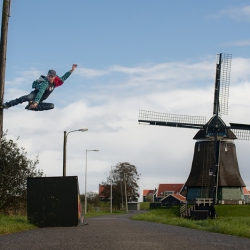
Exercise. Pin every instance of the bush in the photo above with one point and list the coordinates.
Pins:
(15, 167)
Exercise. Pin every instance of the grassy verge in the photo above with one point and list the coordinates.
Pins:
(18, 223)
(12, 224)
(231, 219)
(144, 205)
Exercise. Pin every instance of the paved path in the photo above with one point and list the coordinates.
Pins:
(120, 232)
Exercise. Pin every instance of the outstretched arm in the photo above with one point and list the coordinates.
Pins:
(74, 66)
(67, 74)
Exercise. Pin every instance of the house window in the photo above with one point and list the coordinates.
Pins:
(166, 193)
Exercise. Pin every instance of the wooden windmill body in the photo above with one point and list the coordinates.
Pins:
(228, 182)
(215, 172)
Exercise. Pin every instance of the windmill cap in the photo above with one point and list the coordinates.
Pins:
(51, 72)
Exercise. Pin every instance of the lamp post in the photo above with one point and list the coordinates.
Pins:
(111, 195)
(125, 189)
(65, 147)
(85, 205)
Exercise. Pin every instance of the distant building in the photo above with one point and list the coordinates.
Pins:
(147, 192)
(102, 196)
(173, 199)
(246, 194)
(167, 189)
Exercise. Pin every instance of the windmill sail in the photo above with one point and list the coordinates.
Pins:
(222, 81)
(242, 131)
(172, 120)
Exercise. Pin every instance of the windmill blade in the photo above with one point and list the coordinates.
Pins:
(241, 134)
(222, 81)
(172, 120)
(242, 131)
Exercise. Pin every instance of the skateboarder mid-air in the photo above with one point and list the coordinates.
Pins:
(44, 86)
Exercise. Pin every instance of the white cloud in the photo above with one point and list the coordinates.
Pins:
(237, 43)
(110, 112)
(27, 77)
(89, 73)
(239, 14)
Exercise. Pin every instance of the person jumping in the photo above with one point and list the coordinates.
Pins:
(44, 86)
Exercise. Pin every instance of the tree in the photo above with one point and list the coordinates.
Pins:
(92, 198)
(149, 198)
(15, 167)
(124, 175)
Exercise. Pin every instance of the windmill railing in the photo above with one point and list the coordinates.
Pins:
(183, 210)
(186, 211)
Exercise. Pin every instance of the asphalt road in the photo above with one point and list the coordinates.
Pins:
(120, 232)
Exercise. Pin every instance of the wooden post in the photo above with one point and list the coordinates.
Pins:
(3, 49)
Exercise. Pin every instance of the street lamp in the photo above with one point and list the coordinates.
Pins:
(111, 198)
(65, 146)
(85, 205)
(125, 189)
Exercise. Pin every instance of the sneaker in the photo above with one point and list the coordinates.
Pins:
(28, 106)
(5, 106)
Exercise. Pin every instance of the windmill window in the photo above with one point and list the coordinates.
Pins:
(211, 171)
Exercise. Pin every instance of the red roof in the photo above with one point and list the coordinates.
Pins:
(175, 188)
(179, 197)
(176, 196)
(245, 191)
(146, 192)
(101, 188)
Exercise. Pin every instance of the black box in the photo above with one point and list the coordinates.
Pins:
(54, 201)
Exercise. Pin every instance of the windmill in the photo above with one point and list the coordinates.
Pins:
(215, 172)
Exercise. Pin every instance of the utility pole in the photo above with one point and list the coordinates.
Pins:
(3, 49)
(111, 195)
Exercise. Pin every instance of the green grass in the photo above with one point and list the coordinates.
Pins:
(231, 219)
(233, 210)
(144, 205)
(12, 224)
(17, 223)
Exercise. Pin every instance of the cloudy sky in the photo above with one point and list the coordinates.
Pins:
(132, 55)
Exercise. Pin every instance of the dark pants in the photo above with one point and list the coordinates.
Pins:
(30, 97)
